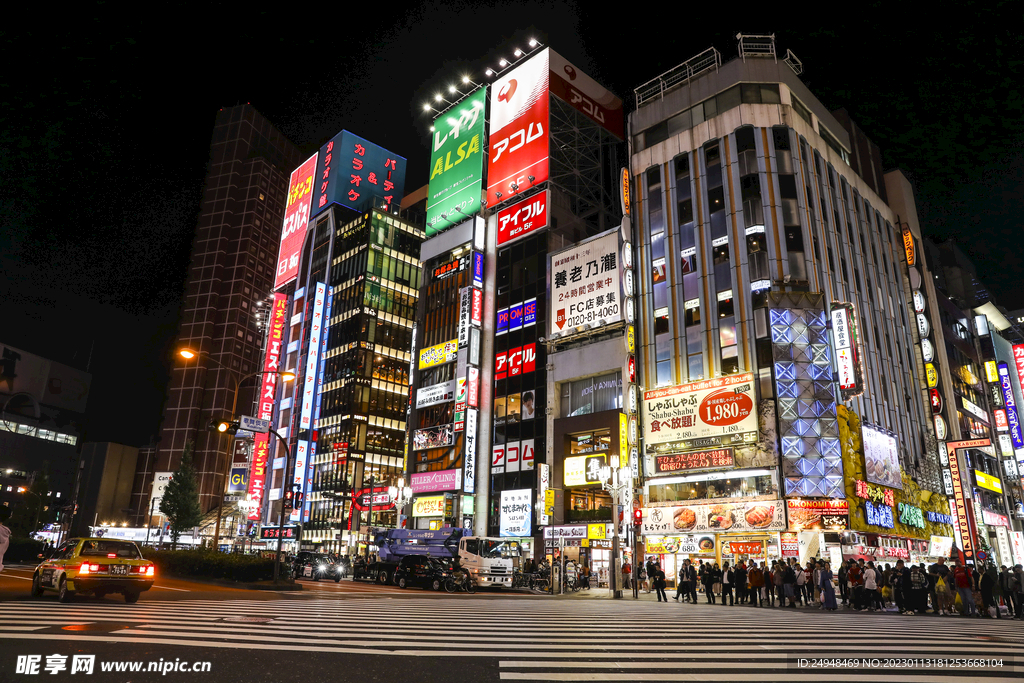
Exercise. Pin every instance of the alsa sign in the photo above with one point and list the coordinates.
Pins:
(522, 218)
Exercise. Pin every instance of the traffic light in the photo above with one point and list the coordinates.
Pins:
(223, 426)
(287, 499)
(298, 499)
(638, 517)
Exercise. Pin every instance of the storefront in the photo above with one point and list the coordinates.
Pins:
(713, 532)
(815, 525)
(583, 445)
(881, 549)
(587, 544)
(428, 512)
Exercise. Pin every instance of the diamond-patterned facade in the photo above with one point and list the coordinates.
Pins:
(812, 462)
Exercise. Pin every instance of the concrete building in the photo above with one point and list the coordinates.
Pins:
(231, 271)
(770, 247)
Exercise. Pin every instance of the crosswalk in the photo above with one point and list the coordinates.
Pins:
(551, 640)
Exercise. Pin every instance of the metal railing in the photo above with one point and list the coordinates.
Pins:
(794, 62)
(684, 73)
(756, 45)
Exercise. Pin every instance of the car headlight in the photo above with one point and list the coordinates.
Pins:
(322, 567)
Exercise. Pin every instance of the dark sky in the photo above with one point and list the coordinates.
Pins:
(105, 123)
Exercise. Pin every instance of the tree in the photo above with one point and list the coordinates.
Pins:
(180, 503)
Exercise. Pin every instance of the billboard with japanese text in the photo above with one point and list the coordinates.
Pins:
(316, 330)
(272, 364)
(707, 413)
(516, 513)
(585, 95)
(456, 163)
(296, 219)
(519, 129)
(585, 286)
(358, 174)
(523, 218)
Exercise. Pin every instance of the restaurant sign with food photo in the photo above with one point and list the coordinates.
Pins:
(717, 411)
(686, 545)
(822, 513)
(764, 515)
(881, 457)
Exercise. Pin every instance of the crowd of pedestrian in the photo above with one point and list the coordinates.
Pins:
(909, 589)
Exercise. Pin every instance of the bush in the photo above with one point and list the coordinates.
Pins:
(23, 551)
(211, 565)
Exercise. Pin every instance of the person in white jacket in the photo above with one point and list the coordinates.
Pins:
(872, 596)
(5, 534)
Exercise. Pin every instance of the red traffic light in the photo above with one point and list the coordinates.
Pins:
(638, 516)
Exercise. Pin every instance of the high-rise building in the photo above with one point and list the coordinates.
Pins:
(347, 283)
(778, 331)
(521, 363)
(231, 273)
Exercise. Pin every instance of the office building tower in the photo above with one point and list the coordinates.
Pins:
(231, 271)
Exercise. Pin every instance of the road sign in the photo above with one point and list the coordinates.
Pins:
(232, 499)
(254, 424)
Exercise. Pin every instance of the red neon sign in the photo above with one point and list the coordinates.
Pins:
(296, 217)
(519, 130)
(268, 390)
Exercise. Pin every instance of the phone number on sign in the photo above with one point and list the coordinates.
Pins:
(592, 316)
(898, 663)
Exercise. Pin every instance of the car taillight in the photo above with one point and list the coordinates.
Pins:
(87, 568)
(150, 570)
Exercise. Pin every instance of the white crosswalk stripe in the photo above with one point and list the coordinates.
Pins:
(550, 640)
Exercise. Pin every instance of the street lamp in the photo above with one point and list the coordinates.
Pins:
(401, 495)
(189, 354)
(245, 508)
(615, 480)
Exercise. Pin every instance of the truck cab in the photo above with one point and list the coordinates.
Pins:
(489, 560)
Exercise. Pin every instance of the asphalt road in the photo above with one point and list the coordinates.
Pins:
(360, 632)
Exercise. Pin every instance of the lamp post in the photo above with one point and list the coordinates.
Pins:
(610, 481)
(280, 523)
(401, 495)
(189, 354)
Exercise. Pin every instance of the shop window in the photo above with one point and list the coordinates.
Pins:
(592, 395)
(696, 367)
(664, 373)
(716, 487)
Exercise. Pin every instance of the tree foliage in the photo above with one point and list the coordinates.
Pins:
(180, 502)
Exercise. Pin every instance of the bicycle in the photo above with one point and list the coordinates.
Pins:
(460, 580)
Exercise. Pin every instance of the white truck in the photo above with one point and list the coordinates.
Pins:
(488, 560)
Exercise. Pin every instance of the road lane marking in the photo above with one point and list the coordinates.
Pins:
(168, 588)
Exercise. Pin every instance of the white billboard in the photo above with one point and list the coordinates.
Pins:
(160, 482)
(718, 411)
(881, 457)
(434, 394)
(585, 287)
(516, 513)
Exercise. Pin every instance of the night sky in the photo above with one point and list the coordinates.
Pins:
(106, 117)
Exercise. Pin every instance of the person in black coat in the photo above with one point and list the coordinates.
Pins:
(740, 574)
(728, 577)
(708, 580)
(658, 582)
